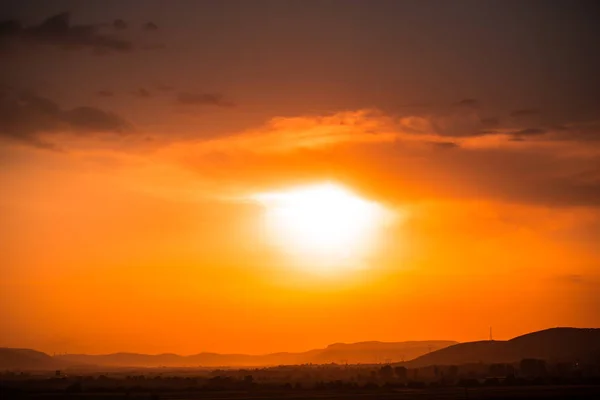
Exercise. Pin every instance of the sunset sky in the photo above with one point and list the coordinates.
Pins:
(261, 176)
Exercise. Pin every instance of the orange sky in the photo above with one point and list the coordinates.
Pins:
(157, 251)
(129, 225)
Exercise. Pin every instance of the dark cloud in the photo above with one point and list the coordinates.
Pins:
(415, 105)
(526, 124)
(517, 175)
(444, 145)
(524, 133)
(94, 119)
(164, 88)
(27, 118)
(588, 176)
(584, 132)
(105, 93)
(490, 121)
(468, 103)
(143, 93)
(486, 132)
(530, 132)
(575, 132)
(154, 46)
(58, 31)
(150, 26)
(526, 176)
(213, 99)
(119, 24)
(525, 112)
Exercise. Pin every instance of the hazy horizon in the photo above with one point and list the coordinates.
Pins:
(234, 353)
(374, 341)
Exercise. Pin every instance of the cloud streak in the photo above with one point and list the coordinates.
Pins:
(418, 159)
(28, 118)
(203, 99)
(58, 31)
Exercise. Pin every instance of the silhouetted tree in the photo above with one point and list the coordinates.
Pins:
(74, 388)
(401, 373)
(531, 367)
(386, 373)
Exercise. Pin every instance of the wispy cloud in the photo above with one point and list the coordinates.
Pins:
(29, 118)
(210, 99)
(58, 31)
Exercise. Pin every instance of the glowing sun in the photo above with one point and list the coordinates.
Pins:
(326, 226)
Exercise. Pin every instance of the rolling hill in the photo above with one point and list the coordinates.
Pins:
(27, 359)
(555, 344)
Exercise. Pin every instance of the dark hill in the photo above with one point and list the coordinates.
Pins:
(556, 344)
(377, 352)
(26, 359)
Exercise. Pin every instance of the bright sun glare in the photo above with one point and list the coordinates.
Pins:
(326, 227)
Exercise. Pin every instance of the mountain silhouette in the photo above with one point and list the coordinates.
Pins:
(354, 353)
(27, 359)
(555, 344)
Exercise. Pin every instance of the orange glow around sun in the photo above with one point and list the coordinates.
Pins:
(325, 227)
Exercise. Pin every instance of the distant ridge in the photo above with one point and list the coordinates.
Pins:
(27, 359)
(354, 353)
(554, 344)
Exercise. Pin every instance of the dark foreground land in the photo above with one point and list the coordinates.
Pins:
(557, 363)
(527, 379)
(521, 392)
